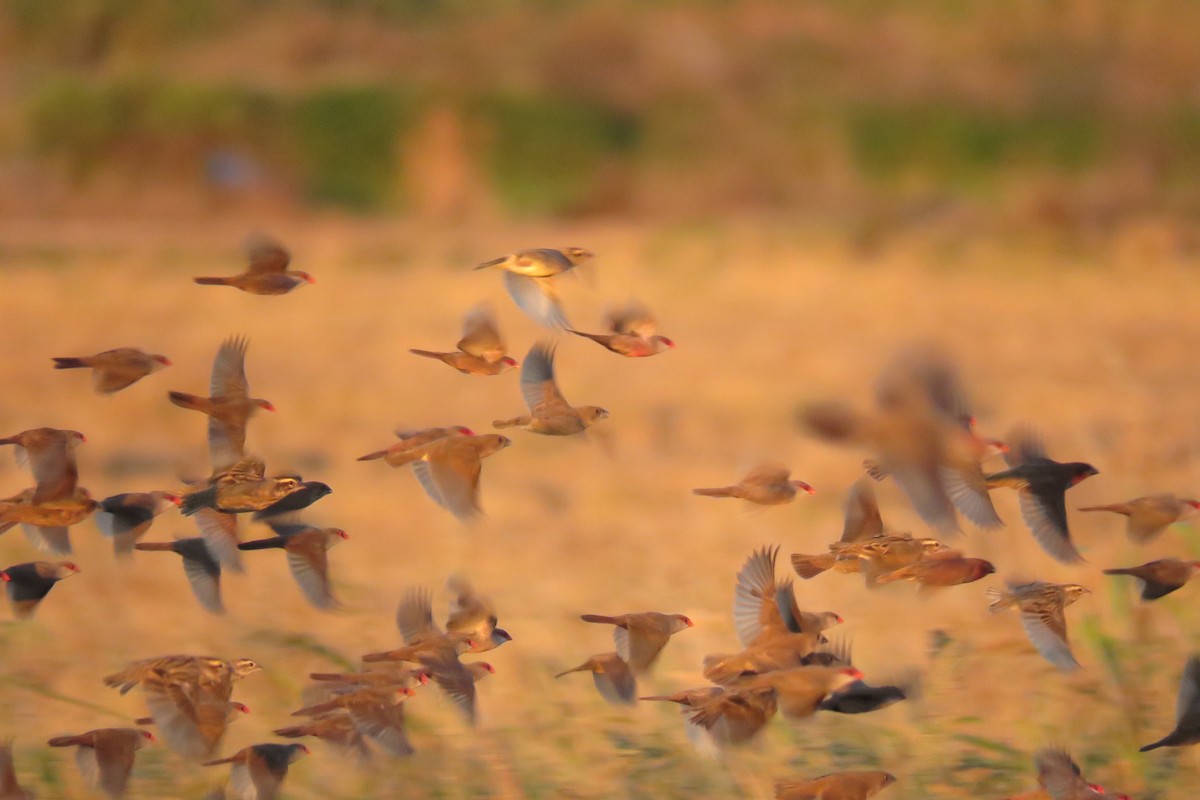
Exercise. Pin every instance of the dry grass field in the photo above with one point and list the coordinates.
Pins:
(1098, 352)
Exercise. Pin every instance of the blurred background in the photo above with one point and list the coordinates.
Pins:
(796, 189)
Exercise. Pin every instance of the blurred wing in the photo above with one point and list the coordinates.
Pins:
(1047, 630)
(309, 562)
(1187, 707)
(1046, 516)
(767, 475)
(204, 576)
(458, 684)
(229, 370)
(54, 539)
(414, 616)
(537, 297)
(924, 490)
(451, 478)
(243, 785)
(174, 714)
(267, 257)
(967, 489)
(1024, 444)
(383, 724)
(55, 472)
(220, 534)
(634, 318)
(862, 512)
(639, 649)
(226, 441)
(538, 386)
(114, 758)
(617, 683)
(754, 606)
(481, 337)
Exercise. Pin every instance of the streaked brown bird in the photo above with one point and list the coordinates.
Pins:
(258, 771)
(207, 673)
(1041, 486)
(614, 680)
(449, 471)
(1151, 515)
(1160, 578)
(229, 406)
(941, 569)
(114, 370)
(1187, 710)
(632, 332)
(28, 584)
(126, 518)
(473, 615)
(245, 487)
(201, 569)
(306, 548)
(640, 637)
(872, 557)
(105, 756)
(481, 350)
(850, 785)
(765, 485)
(918, 437)
(9, 788)
(377, 713)
(268, 272)
(1042, 615)
(413, 444)
(549, 411)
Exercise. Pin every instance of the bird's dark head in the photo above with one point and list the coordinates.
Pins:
(500, 633)
(1081, 471)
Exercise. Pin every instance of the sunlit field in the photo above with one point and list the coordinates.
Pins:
(1097, 349)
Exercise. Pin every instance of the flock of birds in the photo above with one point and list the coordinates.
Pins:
(919, 433)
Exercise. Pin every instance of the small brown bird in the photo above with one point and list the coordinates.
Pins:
(732, 716)
(765, 609)
(1042, 615)
(1151, 515)
(336, 728)
(27, 584)
(527, 278)
(389, 676)
(46, 523)
(9, 788)
(105, 756)
(632, 333)
(1187, 710)
(836, 786)
(192, 721)
(377, 713)
(801, 690)
(50, 454)
(307, 558)
(549, 411)
(765, 485)
(268, 272)
(435, 651)
(127, 517)
(114, 370)
(449, 471)
(202, 570)
(1160, 578)
(413, 444)
(1061, 779)
(1041, 485)
(245, 487)
(614, 680)
(473, 615)
(861, 517)
(641, 637)
(918, 437)
(481, 350)
(230, 405)
(542, 262)
(937, 570)
(258, 770)
(872, 557)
